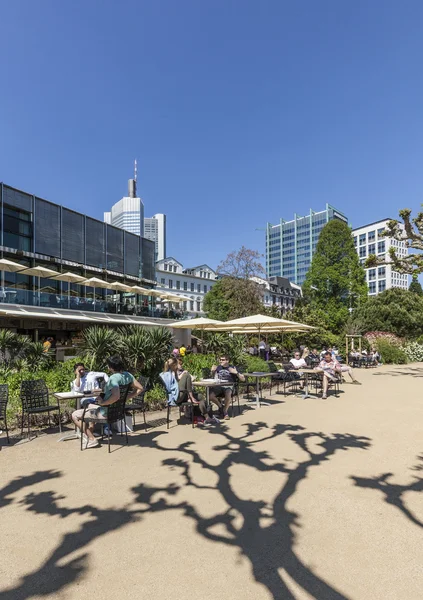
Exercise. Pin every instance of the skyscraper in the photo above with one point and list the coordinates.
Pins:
(290, 245)
(128, 213)
(155, 230)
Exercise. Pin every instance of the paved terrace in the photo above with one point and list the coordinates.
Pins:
(305, 499)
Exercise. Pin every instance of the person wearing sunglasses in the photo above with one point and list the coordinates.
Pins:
(226, 374)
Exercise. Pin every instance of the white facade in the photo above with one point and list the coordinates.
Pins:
(194, 282)
(367, 241)
(155, 230)
(278, 292)
(127, 214)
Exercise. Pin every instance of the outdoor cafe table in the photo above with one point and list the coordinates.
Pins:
(306, 371)
(209, 383)
(259, 375)
(73, 396)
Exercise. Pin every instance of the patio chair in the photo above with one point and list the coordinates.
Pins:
(180, 405)
(138, 403)
(275, 379)
(115, 412)
(35, 400)
(4, 398)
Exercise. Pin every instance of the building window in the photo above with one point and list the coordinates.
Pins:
(174, 269)
(381, 247)
(185, 286)
(372, 274)
(362, 251)
(372, 287)
(163, 281)
(371, 236)
(355, 240)
(198, 306)
(165, 267)
(205, 289)
(178, 285)
(192, 287)
(372, 249)
(170, 284)
(191, 305)
(381, 271)
(380, 231)
(198, 287)
(362, 238)
(382, 285)
(208, 275)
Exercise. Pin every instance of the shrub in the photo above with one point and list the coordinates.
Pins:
(414, 351)
(253, 364)
(373, 336)
(155, 398)
(390, 353)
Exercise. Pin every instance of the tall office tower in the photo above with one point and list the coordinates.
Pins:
(128, 213)
(368, 240)
(290, 245)
(155, 230)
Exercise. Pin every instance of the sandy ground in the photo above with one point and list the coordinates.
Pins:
(299, 500)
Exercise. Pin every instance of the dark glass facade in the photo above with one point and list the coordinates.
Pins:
(36, 226)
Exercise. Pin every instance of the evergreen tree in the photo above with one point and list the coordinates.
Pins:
(335, 282)
(415, 286)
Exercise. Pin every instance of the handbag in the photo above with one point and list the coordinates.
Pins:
(122, 423)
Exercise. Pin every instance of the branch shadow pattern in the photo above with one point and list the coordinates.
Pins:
(266, 535)
(394, 493)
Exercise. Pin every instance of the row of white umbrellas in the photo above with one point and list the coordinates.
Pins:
(94, 282)
(252, 324)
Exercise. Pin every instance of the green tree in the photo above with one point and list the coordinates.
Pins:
(236, 294)
(335, 282)
(415, 286)
(395, 310)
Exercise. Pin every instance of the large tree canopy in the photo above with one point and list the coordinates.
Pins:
(231, 298)
(397, 311)
(335, 281)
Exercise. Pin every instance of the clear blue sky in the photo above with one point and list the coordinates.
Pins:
(239, 112)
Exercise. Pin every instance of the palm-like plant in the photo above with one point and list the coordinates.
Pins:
(97, 344)
(34, 356)
(133, 344)
(160, 344)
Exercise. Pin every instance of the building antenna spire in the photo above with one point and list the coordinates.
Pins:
(135, 170)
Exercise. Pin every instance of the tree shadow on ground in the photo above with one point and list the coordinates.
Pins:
(411, 372)
(393, 492)
(261, 531)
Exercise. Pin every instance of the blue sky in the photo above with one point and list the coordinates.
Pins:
(239, 112)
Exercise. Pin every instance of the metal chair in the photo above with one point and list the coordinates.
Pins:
(4, 398)
(179, 405)
(137, 403)
(115, 412)
(35, 400)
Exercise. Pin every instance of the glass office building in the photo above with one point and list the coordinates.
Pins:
(37, 232)
(290, 245)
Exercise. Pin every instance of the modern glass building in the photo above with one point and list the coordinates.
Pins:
(290, 245)
(35, 232)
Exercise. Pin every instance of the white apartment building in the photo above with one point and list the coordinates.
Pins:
(278, 292)
(368, 240)
(155, 230)
(128, 213)
(193, 283)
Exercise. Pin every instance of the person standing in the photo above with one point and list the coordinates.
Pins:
(262, 349)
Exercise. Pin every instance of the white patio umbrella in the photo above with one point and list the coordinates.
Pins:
(69, 278)
(8, 266)
(258, 324)
(117, 285)
(39, 272)
(199, 323)
(94, 282)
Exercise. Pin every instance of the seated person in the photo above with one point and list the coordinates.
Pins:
(350, 371)
(111, 395)
(224, 373)
(297, 362)
(330, 367)
(179, 388)
(314, 356)
(86, 380)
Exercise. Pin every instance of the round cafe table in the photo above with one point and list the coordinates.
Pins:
(306, 371)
